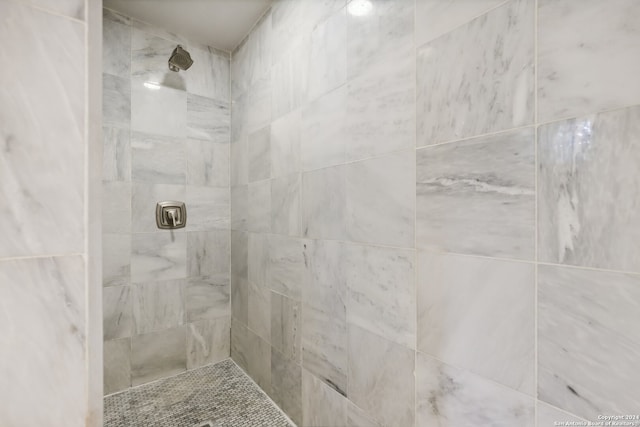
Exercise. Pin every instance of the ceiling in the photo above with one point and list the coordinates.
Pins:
(217, 23)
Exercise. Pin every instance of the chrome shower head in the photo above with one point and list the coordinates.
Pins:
(180, 59)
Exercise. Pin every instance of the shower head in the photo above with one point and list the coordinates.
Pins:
(180, 59)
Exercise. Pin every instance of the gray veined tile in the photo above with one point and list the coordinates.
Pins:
(157, 108)
(581, 72)
(548, 416)
(324, 203)
(259, 207)
(381, 292)
(116, 207)
(356, 417)
(252, 353)
(591, 319)
(488, 62)
(208, 254)
(289, 79)
(117, 365)
(149, 55)
(448, 397)
(240, 299)
(259, 154)
(116, 101)
(239, 167)
(143, 201)
(328, 56)
(258, 258)
(239, 111)
(209, 74)
(381, 200)
(116, 259)
(208, 341)
(117, 312)
(208, 208)
(252, 57)
(285, 204)
(158, 355)
(286, 385)
(208, 119)
(157, 159)
(321, 405)
(259, 316)
(287, 264)
(285, 144)
(381, 378)
(206, 298)
(478, 196)
(259, 105)
(207, 164)
(460, 298)
(158, 305)
(286, 316)
(116, 44)
(587, 181)
(158, 256)
(239, 207)
(116, 157)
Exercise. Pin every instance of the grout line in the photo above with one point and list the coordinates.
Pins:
(417, 268)
(536, 216)
(42, 256)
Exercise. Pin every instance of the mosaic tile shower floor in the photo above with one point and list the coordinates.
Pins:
(220, 393)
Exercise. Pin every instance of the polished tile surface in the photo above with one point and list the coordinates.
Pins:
(321, 405)
(286, 331)
(117, 365)
(158, 355)
(158, 256)
(286, 385)
(548, 416)
(259, 154)
(285, 144)
(208, 341)
(328, 51)
(117, 312)
(157, 159)
(324, 203)
(158, 306)
(285, 204)
(587, 185)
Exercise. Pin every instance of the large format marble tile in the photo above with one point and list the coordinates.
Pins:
(488, 62)
(158, 256)
(289, 79)
(324, 201)
(321, 405)
(117, 365)
(323, 132)
(157, 159)
(356, 417)
(581, 72)
(258, 105)
(285, 204)
(381, 292)
(287, 265)
(116, 207)
(259, 150)
(209, 74)
(435, 18)
(461, 299)
(252, 354)
(116, 101)
(158, 355)
(239, 207)
(206, 298)
(208, 164)
(324, 327)
(381, 378)
(116, 44)
(117, 312)
(285, 144)
(208, 341)
(381, 200)
(116, 259)
(158, 305)
(327, 67)
(286, 385)
(259, 207)
(208, 119)
(239, 276)
(286, 317)
(150, 50)
(258, 258)
(43, 339)
(71, 8)
(450, 397)
(144, 198)
(548, 416)
(208, 254)
(591, 319)
(208, 208)
(158, 109)
(42, 132)
(239, 168)
(587, 182)
(478, 196)
(116, 154)
(259, 315)
(252, 57)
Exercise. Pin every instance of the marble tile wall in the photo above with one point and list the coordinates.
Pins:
(166, 137)
(434, 211)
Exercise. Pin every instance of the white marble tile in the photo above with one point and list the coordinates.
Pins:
(116, 156)
(591, 318)
(206, 298)
(323, 131)
(42, 132)
(327, 67)
(548, 416)
(259, 150)
(435, 18)
(209, 74)
(258, 259)
(149, 55)
(158, 305)
(240, 299)
(208, 119)
(285, 204)
(158, 355)
(251, 353)
(259, 105)
(324, 203)
(208, 254)
(381, 200)
(252, 58)
(117, 312)
(157, 159)
(259, 206)
(356, 417)
(158, 256)
(116, 259)
(381, 378)
(156, 31)
(286, 385)
(289, 79)
(239, 207)
(488, 62)
(286, 333)
(207, 164)
(324, 328)
(582, 72)
(116, 44)
(287, 265)
(259, 303)
(116, 207)
(239, 111)
(158, 109)
(117, 365)
(285, 144)
(208, 341)
(71, 8)
(321, 405)
(381, 110)
(481, 304)
(478, 196)
(144, 197)
(587, 185)
(239, 152)
(208, 208)
(381, 292)
(43, 313)
(116, 101)
(381, 38)
(448, 397)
